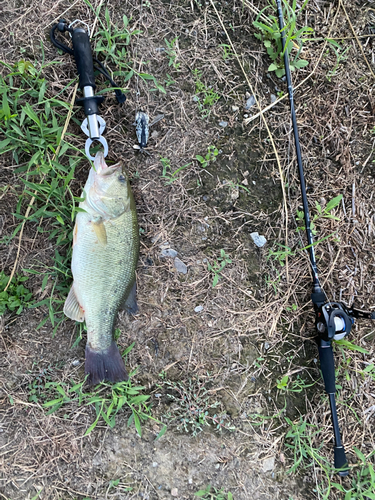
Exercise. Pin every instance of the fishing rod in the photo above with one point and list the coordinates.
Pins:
(93, 125)
(333, 320)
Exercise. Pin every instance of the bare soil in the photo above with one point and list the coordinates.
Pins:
(247, 335)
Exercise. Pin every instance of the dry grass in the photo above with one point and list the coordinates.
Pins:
(246, 337)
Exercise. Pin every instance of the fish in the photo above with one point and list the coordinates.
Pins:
(104, 261)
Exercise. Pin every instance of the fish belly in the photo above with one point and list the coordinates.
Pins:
(104, 274)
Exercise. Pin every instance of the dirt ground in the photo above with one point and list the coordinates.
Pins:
(239, 338)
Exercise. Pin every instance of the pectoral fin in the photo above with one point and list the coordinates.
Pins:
(72, 309)
(100, 231)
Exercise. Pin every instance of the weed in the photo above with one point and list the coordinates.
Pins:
(112, 43)
(362, 479)
(16, 297)
(298, 440)
(218, 266)
(270, 35)
(280, 255)
(191, 408)
(32, 126)
(206, 97)
(171, 52)
(341, 55)
(169, 80)
(297, 385)
(211, 493)
(323, 213)
(107, 400)
(227, 51)
(211, 155)
(294, 307)
(167, 173)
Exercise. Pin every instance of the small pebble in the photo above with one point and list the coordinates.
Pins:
(76, 362)
(266, 346)
(174, 492)
(198, 309)
(269, 464)
(260, 241)
(180, 266)
(195, 98)
(205, 197)
(199, 262)
(155, 464)
(160, 49)
(217, 466)
(168, 252)
(204, 261)
(273, 98)
(190, 481)
(250, 102)
(235, 108)
(223, 124)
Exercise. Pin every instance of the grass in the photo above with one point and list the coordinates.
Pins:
(322, 213)
(210, 156)
(206, 97)
(211, 493)
(270, 35)
(191, 408)
(218, 266)
(16, 297)
(108, 401)
(167, 173)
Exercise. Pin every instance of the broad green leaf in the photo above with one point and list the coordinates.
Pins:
(301, 63)
(333, 203)
(272, 67)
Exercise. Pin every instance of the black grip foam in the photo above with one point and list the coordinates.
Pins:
(327, 365)
(83, 57)
(341, 462)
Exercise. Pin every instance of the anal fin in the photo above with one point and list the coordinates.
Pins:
(72, 309)
(130, 305)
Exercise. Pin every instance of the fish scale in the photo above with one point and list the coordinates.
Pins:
(105, 255)
(105, 275)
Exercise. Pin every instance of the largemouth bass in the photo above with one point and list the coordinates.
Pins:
(105, 255)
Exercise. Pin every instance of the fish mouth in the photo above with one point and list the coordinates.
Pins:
(110, 169)
(101, 168)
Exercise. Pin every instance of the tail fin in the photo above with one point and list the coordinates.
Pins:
(105, 365)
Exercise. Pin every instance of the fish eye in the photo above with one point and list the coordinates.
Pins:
(122, 178)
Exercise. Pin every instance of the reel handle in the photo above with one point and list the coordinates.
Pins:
(83, 58)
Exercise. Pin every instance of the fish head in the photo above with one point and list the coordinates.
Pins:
(109, 194)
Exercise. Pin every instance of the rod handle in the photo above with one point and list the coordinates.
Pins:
(340, 461)
(327, 365)
(83, 57)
